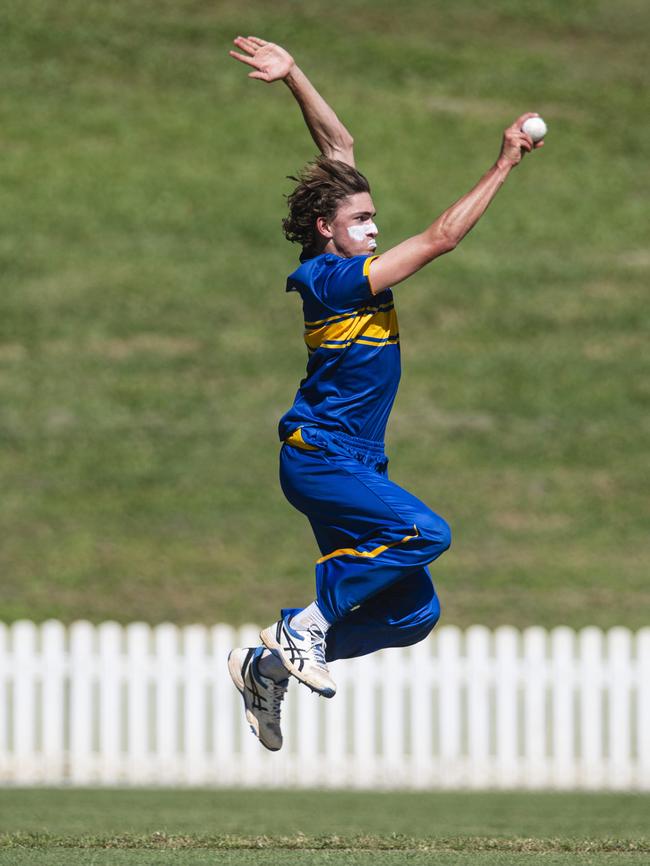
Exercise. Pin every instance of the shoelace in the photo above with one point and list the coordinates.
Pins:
(318, 646)
(278, 691)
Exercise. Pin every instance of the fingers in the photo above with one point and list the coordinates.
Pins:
(519, 122)
(243, 58)
(260, 42)
(523, 141)
(263, 76)
(526, 142)
(246, 44)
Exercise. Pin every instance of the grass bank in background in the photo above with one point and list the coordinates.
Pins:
(147, 347)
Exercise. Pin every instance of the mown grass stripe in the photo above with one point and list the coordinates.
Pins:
(299, 842)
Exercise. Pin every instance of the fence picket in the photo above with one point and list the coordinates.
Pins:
(364, 721)
(52, 722)
(591, 707)
(6, 768)
(563, 680)
(226, 707)
(619, 668)
(419, 674)
(535, 706)
(24, 635)
(305, 736)
(506, 654)
(642, 693)
(335, 719)
(449, 655)
(391, 707)
(478, 709)
(137, 695)
(82, 715)
(110, 704)
(166, 716)
(194, 703)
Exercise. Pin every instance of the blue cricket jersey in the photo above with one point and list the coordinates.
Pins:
(352, 339)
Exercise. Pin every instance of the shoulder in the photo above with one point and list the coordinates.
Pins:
(327, 267)
(311, 270)
(332, 283)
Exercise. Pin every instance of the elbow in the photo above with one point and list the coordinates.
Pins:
(451, 242)
(345, 142)
(342, 146)
(448, 237)
(443, 240)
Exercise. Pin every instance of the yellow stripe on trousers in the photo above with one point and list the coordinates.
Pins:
(369, 554)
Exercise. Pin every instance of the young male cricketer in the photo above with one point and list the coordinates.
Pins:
(373, 588)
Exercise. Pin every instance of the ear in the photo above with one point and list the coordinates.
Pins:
(323, 227)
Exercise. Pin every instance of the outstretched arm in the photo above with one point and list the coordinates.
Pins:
(270, 63)
(450, 228)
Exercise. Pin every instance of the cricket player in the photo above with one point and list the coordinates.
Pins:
(373, 587)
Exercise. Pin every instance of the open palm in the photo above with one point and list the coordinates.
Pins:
(270, 62)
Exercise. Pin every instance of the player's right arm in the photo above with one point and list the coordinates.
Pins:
(444, 235)
(271, 62)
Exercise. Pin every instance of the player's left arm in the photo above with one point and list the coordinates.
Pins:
(270, 63)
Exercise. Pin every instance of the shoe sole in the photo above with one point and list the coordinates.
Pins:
(267, 636)
(234, 669)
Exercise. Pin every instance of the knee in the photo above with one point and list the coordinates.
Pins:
(431, 615)
(436, 532)
(422, 623)
(425, 607)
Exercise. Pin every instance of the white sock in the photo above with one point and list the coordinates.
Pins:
(270, 665)
(311, 615)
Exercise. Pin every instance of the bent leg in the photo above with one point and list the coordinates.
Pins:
(402, 615)
(388, 534)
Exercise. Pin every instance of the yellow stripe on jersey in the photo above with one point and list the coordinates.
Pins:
(366, 269)
(296, 441)
(370, 327)
(370, 308)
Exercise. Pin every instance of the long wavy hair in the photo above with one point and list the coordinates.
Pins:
(322, 185)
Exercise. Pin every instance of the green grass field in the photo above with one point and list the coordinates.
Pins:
(242, 827)
(147, 347)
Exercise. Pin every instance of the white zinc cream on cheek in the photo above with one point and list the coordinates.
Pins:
(361, 232)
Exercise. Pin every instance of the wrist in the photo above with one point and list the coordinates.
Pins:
(292, 78)
(503, 165)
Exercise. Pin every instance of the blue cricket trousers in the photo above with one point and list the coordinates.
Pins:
(376, 540)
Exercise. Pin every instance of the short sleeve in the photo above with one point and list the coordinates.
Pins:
(343, 283)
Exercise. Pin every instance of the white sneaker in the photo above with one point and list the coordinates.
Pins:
(303, 654)
(262, 695)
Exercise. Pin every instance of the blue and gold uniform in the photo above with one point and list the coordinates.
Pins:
(353, 344)
(376, 539)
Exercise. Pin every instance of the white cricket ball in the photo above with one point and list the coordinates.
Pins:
(535, 127)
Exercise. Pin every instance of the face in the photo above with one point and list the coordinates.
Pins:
(352, 232)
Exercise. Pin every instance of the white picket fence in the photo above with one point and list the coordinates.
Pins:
(135, 705)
